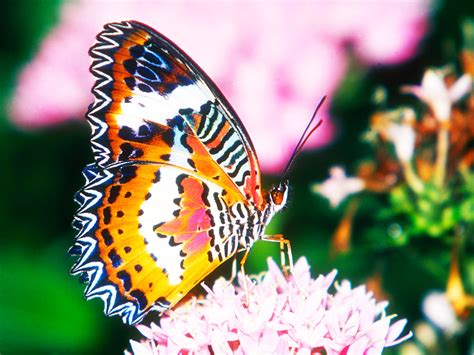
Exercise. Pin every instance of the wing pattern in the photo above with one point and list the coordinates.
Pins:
(143, 82)
(148, 234)
(175, 186)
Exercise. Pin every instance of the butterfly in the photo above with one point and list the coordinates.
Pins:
(175, 187)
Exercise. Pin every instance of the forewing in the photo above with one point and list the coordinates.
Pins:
(154, 104)
(146, 236)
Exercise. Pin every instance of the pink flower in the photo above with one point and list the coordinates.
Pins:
(338, 186)
(297, 314)
(273, 61)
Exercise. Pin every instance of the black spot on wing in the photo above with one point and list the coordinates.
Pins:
(144, 87)
(167, 136)
(126, 280)
(179, 182)
(184, 142)
(136, 51)
(140, 297)
(157, 177)
(185, 111)
(146, 132)
(130, 82)
(205, 194)
(130, 65)
(107, 215)
(212, 236)
(108, 239)
(172, 242)
(128, 152)
(127, 173)
(158, 225)
(191, 163)
(114, 193)
(115, 259)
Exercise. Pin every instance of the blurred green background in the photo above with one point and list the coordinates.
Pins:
(42, 308)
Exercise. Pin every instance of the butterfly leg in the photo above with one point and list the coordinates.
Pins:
(234, 268)
(242, 270)
(279, 238)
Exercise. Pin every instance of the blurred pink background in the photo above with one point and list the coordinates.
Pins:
(273, 60)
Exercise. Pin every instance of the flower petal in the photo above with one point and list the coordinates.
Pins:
(433, 86)
(461, 87)
(301, 317)
(395, 330)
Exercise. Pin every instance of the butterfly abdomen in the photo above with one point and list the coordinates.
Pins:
(239, 227)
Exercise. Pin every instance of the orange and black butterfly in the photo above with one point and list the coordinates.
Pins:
(174, 189)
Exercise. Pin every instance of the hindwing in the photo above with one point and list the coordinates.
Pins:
(146, 236)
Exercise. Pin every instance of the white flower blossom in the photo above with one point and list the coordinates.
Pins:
(338, 186)
(439, 311)
(403, 138)
(434, 92)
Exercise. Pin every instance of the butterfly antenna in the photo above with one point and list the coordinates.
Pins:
(304, 137)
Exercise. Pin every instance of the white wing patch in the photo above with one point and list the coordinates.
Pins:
(159, 208)
(158, 108)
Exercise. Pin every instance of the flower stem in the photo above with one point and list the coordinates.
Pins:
(411, 178)
(442, 148)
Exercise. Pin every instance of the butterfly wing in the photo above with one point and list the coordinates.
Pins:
(148, 235)
(171, 159)
(144, 81)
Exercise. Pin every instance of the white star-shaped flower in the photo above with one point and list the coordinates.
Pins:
(338, 186)
(434, 92)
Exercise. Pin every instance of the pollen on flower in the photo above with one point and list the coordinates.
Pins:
(284, 315)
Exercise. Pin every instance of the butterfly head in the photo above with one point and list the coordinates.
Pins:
(278, 196)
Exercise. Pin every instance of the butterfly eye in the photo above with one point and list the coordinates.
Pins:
(277, 197)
